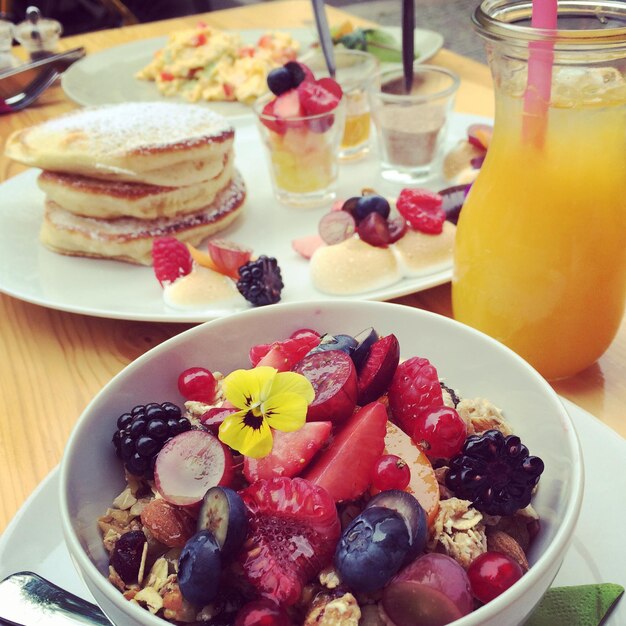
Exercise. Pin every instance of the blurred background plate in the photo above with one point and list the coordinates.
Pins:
(108, 77)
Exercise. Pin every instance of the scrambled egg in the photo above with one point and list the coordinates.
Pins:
(205, 63)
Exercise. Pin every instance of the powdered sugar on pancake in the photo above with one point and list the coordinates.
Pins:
(135, 127)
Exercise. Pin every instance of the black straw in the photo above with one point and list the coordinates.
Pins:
(408, 42)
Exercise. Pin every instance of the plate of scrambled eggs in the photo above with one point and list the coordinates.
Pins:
(225, 69)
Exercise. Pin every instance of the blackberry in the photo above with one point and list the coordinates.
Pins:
(260, 282)
(495, 472)
(142, 432)
(126, 555)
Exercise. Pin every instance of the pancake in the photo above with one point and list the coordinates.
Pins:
(97, 198)
(159, 143)
(130, 239)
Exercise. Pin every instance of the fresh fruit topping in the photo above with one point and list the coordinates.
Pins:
(299, 72)
(390, 472)
(260, 282)
(414, 389)
(171, 259)
(304, 332)
(168, 524)
(397, 228)
(288, 106)
(349, 206)
(189, 464)
(422, 210)
(281, 80)
(378, 369)
(331, 85)
(433, 590)
(283, 355)
(344, 343)
(262, 612)
(293, 530)
(453, 200)
(440, 432)
(228, 256)
(316, 99)
(335, 227)
(480, 135)
(372, 549)
(224, 514)
(333, 376)
(492, 573)
(423, 484)
(199, 569)
(197, 383)
(374, 229)
(307, 245)
(495, 472)
(291, 452)
(141, 434)
(344, 469)
(201, 258)
(413, 515)
(212, 418)
(371, 203)
(271, 120)
(127, 554)
(364, 341)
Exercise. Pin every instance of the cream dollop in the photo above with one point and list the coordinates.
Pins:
(203, 288)
(353, 266)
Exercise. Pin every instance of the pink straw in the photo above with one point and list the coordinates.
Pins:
(538, 87)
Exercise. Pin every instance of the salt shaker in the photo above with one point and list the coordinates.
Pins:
(7, 59)
(38, 35)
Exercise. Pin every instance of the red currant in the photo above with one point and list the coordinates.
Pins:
(390, 472)
(491, 573)
(197, 383)
(440, 432)
(262, 612)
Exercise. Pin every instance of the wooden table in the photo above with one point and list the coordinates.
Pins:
(52, 363)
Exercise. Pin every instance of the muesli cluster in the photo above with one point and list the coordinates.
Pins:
(328, 483)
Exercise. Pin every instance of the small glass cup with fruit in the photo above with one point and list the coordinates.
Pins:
(301, 124)
(354, 70)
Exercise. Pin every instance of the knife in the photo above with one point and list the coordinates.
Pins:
(408, 42)
(15, 80)
(323, 32)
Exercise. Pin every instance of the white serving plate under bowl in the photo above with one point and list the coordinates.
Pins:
(469, 361)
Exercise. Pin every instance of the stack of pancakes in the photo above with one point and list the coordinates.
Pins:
(116, 177)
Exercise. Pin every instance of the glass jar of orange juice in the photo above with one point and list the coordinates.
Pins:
(540, 256)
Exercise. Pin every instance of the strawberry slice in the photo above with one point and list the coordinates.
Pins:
(344, 469)
(288, 105)
(283, 355)
(293, 528)
(316, 99)
(307, 245)
(290, 454)
(331, 85)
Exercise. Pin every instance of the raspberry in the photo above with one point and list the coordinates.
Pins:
(422, 209)
(171, 259)
(414, 389)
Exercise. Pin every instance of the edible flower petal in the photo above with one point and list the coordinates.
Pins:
(267, 399)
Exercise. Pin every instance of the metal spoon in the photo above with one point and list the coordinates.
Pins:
(27, 599)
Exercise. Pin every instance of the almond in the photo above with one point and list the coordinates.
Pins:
(167, 523)
(499, 541)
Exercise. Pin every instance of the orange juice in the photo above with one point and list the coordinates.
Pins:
(540, 258)
(357, 130)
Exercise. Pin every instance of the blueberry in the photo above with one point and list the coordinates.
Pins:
(370, 204)
(365, 340)
(199, 568)
(279, 80)
(411, 511)
(372, 549)
(297, 73)
(126, 555)
(344, 343)
(224, 514)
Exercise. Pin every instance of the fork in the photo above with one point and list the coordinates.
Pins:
(26, 598)
(30, 93)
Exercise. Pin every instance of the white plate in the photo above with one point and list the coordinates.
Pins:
(108, 76)
(30, 272)
(33, 540)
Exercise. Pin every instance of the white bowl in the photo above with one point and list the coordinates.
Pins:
(91, 475)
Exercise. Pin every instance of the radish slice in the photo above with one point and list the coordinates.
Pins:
(189, 464)
(336, 226)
